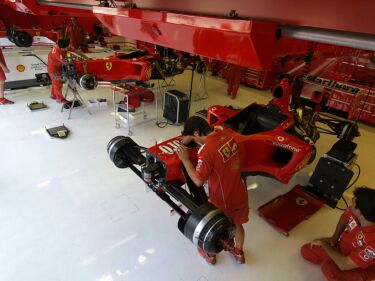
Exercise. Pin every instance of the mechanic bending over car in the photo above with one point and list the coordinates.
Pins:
(219, 164)
(3, 69)
(56, 59)
(349, 255)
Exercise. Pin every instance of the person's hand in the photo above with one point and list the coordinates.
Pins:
(57, 76)
(327, 240)
(185, 140)
(330, 241)
(316, 243)
(182, 153)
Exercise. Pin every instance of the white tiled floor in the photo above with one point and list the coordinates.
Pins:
(67, 214)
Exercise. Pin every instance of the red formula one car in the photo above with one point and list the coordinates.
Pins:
(265, 134)
(273, 141)
(122, 68)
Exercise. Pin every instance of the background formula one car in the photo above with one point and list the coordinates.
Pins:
(115, 69)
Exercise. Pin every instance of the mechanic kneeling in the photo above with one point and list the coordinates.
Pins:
(349, 255)
(219, 164)
(56, 59)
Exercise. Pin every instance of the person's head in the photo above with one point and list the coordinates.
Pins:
(198, 128)
(63, 43)
(364, 203)
(74, 20)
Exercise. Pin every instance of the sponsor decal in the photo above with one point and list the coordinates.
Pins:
(108, 65)
(20, 68)
(169, 147)
(370, 252)
(199, 164)
(280, 138)
(286, 146)
(332, 84)
(37, 33)
(39, 66)
(301, 201)
(352, 224)
(360, 237)
(364, 256)
(228, 150)
(367, 254)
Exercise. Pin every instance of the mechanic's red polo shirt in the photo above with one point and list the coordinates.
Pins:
(358, 242)
(219, 163)
(55, 59)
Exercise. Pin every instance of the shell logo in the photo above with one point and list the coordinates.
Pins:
(20, 68)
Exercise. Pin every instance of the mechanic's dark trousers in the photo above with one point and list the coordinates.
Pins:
(329, 268)
(234, 77)
(56, 88)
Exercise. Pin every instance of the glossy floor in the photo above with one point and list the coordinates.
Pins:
(67, 214)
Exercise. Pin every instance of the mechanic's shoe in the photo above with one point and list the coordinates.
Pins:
(228, 245)
(210, 258)
(5, 101)
(63, 100)
(52, 97)
(238, 255)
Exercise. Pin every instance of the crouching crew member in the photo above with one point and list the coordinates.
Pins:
(349, 255)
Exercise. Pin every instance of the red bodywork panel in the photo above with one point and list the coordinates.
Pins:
(165, 152)
(349, 15)
(286, 211)
(243, 42)
(47, 17)
(116, 69)
(135, 94)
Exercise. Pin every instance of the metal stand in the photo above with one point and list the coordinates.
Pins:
(126, 118)
(72, 85)
(202, 84)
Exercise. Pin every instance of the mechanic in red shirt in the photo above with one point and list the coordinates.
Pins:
(3, 69)
(75, 33)
(349, 255)
(56, 59)
(219, 164)
(234, 77)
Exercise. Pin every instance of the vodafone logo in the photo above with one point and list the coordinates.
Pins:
(280, 138)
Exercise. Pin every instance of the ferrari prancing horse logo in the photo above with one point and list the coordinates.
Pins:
(108, 66)
(301, 201)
